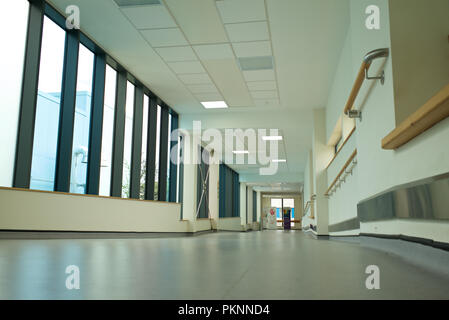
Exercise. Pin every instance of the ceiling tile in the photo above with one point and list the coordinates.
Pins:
(255, 63)
(202, 78)
(186, 67)
(262, 85)
(264, 94)
(199, 20)
(233, 11)
(164, 37)
(173, 54)
(202, 97)
(149, 17)
(251, 31)
(202, 88)
(259, 75)
(214, 51)
(267, 103)
(252, 49)
(228, 78)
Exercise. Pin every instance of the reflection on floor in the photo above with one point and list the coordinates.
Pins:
(225, 265)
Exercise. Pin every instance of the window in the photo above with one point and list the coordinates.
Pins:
(14, 17)
(168, 156)
(158, 140)
(108, 131)
(179, 170)
(203, 185)
(289, 203)
(48, 107)
(229, 192)
(65, 123)
(254, 206)
(129, 114)
(337, 145)
(82, 120)
(143, 161)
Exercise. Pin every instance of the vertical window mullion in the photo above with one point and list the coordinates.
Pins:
(119, 136)
(151, 149)
(67, 113)
(136, 144)
(96, 126)
(162, 184)
(27, 115)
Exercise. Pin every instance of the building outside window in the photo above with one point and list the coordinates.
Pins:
(108, 131)
(48, 106)
(80, 146)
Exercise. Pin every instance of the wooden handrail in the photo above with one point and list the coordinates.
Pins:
(363, 71)
(341, 172)
(357, 85)
(293, 220)
(341, 147)
(432, 112)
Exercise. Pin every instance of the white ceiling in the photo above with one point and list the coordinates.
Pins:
(187, 52)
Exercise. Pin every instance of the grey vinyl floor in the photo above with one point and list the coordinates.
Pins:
(224, 265)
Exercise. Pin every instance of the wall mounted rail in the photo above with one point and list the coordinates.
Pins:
(361, 76)
(308, 206)
(432, 112)
(342, 172)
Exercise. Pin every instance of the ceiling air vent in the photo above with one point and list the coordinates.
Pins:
(256, 63)
(125, 3)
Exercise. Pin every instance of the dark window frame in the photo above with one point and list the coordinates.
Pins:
(22, 168)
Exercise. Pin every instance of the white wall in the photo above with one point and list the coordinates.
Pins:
(230, 224)
(213, 190)
(426, 155)
(13, 23)
(308, 191)
(259, 206)
(34, 210)
(243, 204)
(322, 153)
(419, 41)
(249, 206)
(343, 202)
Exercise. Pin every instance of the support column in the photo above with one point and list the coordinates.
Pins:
(214, 170)
(321, 153)
(243, 212)
(189, 205)
(249, 206)
(259, 209)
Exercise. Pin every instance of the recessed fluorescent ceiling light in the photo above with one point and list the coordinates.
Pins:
(124, 3)
(214, 104)
(240, 151)
(272, 138)
(256, 63)
(278, 160)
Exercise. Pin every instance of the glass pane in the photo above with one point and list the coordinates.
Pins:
(143, 161)
(277, 203)
(129, 112)
(14, 17)
(290, 203)
(108, 131)
(47, 107)
(156, 167)
(178, 170)
(168, 158)
(81, 127)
